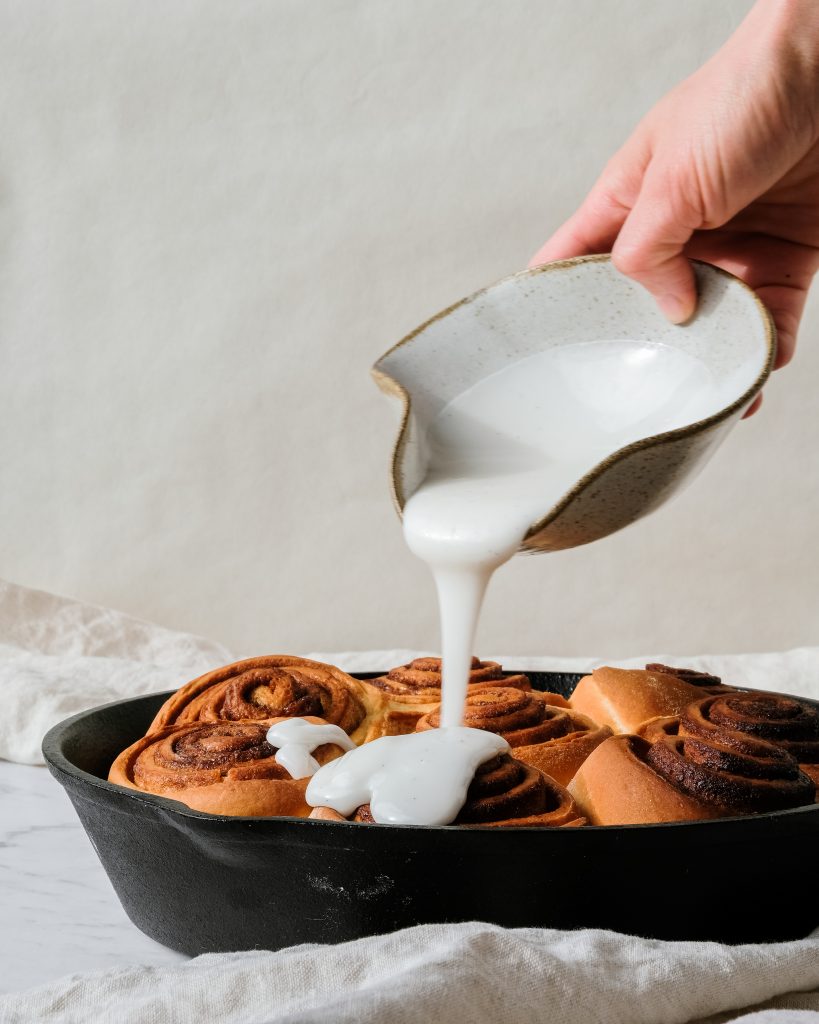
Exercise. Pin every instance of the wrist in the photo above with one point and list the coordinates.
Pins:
(775, 54)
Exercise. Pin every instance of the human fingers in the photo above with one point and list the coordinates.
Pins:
(595, 225)
(779, 271)
(753, 407)
(785, 305)
(649, 247)
(592, 229)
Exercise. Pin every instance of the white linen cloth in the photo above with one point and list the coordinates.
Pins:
(58, 656)
(453, 974)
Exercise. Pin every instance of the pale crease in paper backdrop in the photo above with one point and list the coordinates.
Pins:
(214, 218)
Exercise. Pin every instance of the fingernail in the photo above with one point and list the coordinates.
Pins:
(674, 308)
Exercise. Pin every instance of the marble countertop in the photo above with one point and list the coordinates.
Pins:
(58, 911)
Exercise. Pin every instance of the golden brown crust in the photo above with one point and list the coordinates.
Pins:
(654, 728)
(615, 787)
(628, 780)
(624, 699)
(277, 686)
(326, 814)
(554, 740)
(217, 767)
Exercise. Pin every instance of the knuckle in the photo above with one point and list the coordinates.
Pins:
(608, 200)
(633, 258)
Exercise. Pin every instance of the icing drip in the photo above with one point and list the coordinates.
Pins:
(296, 740)
(418, 779)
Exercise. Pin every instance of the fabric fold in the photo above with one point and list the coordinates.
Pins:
(59, 656)
(458, 973)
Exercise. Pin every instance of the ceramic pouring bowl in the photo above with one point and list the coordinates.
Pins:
(567, 303)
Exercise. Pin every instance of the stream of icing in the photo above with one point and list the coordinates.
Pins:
(503, 453)
(507, 449)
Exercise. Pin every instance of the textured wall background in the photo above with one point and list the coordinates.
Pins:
(214, 217)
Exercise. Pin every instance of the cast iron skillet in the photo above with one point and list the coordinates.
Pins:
(200, 883)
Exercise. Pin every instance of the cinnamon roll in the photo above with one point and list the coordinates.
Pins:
(552, 739)
(788, 722)
(629, 780)
(707, 682)
(218, 767)
(277, 686)
(626, 698)
(413, 690)
(504, 792)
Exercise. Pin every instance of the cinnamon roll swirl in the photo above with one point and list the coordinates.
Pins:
(788, 722)
(628, 780)
(218, 767)
(504, 792)
(655, 728)
(414, 690)
(707, 682)
(277, 686)
(552, 739)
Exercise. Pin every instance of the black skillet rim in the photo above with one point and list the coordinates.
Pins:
(59, 764)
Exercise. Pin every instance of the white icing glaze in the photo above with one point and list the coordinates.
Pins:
(419, 779)
(506, 450)
(296, 740)
(502, 454)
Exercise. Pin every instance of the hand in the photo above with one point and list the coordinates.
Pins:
(725, 168)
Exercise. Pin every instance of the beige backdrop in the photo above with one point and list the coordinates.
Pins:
(215, 216)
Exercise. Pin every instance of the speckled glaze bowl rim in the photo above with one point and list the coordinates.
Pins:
(391, 386)
(59, 763)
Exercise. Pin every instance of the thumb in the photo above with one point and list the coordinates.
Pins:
(592, 229)
(649, 248)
